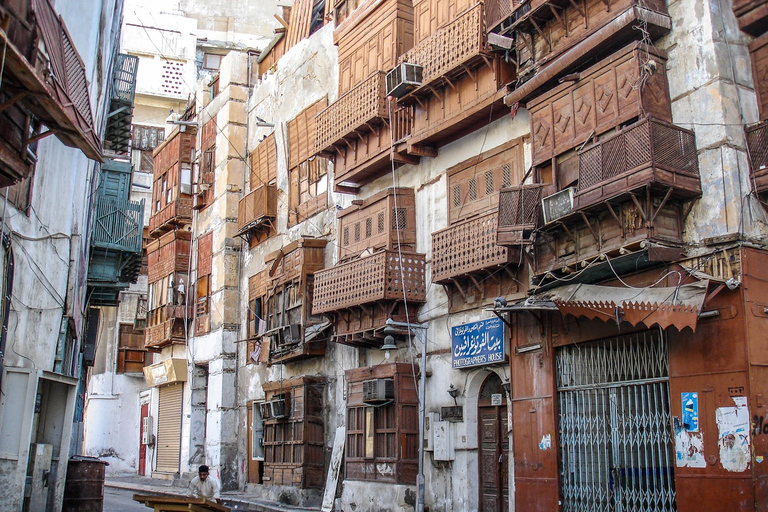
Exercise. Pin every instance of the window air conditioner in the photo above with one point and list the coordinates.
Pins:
(558, 205)
(403, 79)
(266, 410)
(279, 406)
(376, 391)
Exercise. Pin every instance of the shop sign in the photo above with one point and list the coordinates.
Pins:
(478, 343)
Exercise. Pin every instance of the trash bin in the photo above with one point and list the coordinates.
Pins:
(84, 487)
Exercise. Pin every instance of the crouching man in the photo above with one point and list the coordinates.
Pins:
(204, 485)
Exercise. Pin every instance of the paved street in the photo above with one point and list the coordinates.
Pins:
(119, 500)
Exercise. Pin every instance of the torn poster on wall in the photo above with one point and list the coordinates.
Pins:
(690, 411)
(733, 435)
(689, 447)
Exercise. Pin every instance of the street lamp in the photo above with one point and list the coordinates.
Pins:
(421, 334)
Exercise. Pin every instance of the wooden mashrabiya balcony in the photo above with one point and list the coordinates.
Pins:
(519, 209)
(757, 152)
(466, 248)
(649, 153)
(452, 51)
(118, 225)
(383, 276)
(174, 213)
(257, 209)
(362, 108)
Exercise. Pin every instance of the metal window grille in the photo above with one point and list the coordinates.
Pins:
(489, 183)
(614, 421)
(357, 232)
(368, 227)
(381, 222)
(346, 236)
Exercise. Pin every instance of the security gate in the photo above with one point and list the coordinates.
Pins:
(616, 452)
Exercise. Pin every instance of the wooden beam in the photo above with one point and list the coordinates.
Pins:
(458, 287)
(426, 150)
(404, 159)
(661, 205)
(591, 229)
(637, 203)
(13, 99)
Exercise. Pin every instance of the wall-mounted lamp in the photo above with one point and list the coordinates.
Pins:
(389, 341)
(454, 393)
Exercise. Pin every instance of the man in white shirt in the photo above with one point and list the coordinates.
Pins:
(203, 485)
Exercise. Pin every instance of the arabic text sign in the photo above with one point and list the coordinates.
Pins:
(478, 343)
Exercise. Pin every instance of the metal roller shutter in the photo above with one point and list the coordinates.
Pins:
(169, 429)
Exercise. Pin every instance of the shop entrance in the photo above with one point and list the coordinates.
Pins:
(616, 452)
(493, 444)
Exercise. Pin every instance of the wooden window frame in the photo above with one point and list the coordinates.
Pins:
(128, 354)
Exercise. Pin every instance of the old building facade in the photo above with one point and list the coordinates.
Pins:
(512, 249)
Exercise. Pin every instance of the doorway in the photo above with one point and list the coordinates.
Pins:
(144, 436)
(493, 444)
(616, 452)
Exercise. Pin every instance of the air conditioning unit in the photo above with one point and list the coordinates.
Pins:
(558, 205)
(376, 391)
(266, 410)
(403, 79)
(279, 406)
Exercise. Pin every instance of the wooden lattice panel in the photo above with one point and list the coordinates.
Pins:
(204, 254)
(450, 48)
(757, 151)
(257, 285)
(466, 248)
(366, 103)
(606, 95)
(385, 275)
(650, 152)
(519, 209)
(296, 260)
(303, 132)
(498, 10)
(431, 15)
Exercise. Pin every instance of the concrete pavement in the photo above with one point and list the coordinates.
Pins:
(236, 500)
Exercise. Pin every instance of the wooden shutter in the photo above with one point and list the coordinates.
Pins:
(131, 355)
(169, 429)
(758, 51)
(204, 254)
(264, 162)
(301, 133)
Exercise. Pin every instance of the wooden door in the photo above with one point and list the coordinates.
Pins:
(493, 443)
(142, 446)
(255, 448)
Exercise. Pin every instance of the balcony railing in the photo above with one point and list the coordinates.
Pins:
(466, 248)
(649, 152)
(118, 225)
(449, 51)
(757, 151)
(167, 255)
(519, 209)
(363, 105)
(118, 130)
(176, 212)
(383, 276)
(163, 333)
(259, 205)
(124, 78)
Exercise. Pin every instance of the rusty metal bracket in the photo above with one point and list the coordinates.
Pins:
(459, 288)
(503, 318)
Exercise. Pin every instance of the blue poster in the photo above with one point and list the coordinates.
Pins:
(690, 411)
(478, 343)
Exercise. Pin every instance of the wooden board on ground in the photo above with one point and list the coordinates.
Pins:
(179, 503)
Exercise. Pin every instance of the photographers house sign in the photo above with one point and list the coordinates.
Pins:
(478, 343)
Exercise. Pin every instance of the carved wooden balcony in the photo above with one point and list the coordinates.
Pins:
(50, 73)
(467, 248)
(602, 97)
(361, 109)
(123, 88)
(173, 214)
(168, 255)
(118, 225)
(650, 153)
(757, 153)
(165, 333)
(452, 51)
(257, 210)
(383, 276)
(545, 51)
(519, 209)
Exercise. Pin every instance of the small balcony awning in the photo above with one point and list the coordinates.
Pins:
(678, 306)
